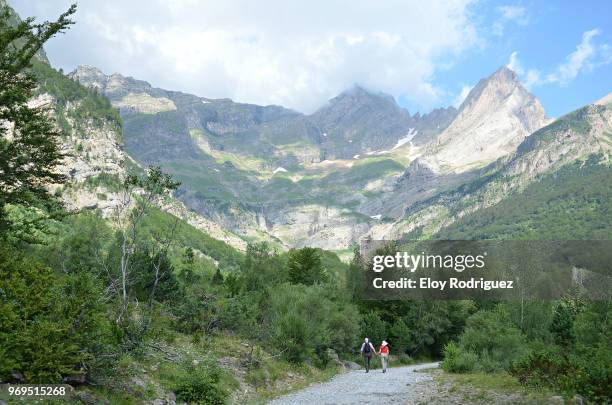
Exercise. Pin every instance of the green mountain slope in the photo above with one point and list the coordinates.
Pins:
(573, 203)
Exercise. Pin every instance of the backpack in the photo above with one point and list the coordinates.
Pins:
(367, 348)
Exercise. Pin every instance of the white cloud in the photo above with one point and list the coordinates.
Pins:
(465, 90)
(581, 59)
(515, 64)
(586, 57)
(297, 54)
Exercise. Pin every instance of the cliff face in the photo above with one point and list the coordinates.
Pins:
(92, 141)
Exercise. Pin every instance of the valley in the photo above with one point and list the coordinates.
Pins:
(159, 247)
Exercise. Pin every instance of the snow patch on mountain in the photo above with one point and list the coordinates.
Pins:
(411, 134)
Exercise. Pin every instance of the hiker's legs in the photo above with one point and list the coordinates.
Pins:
(366, 360)
(385, 363)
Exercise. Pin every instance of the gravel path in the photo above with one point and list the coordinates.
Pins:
(400, 385)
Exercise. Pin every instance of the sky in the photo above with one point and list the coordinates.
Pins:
(299, 54)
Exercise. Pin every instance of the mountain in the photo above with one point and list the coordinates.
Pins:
(257, 169)
(360, 165)
(562, 165)
(428, 126)
(96, 161)
(496, 116)
(492, 121)
(605, 100)
(359, 121)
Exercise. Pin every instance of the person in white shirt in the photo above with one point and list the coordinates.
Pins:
(367, 350)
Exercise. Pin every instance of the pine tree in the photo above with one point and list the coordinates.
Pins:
(29, 150)
(305, 266)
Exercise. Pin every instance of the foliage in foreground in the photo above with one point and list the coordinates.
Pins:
(575, 356)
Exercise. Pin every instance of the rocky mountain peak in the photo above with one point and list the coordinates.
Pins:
(360, 95)
(114, 86)
(605, 100)
(498, 113)
(358, 121)
(89, 76)
(502, 83)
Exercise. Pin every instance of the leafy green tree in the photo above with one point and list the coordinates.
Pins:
(355, 276)
(299, 321)
(29, 144)
(304, 266)
(262, 268)
(139, 195)
(494, 339)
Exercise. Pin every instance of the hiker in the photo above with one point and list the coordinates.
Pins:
(367, 350)
(384, 355)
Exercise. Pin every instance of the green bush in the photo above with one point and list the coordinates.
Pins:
(494, 338)
(489, 343)
(299, 321)
(457, 360)
(201, 386)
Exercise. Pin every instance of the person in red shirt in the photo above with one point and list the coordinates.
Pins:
(384, 355)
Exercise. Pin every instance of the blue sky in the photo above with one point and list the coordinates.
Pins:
(543, 36)
(426, 54)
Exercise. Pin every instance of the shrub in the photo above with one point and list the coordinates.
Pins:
(305, 321)
(545, 368)
(201, 386)
(494, 338)
(51, 325)
(456, 360)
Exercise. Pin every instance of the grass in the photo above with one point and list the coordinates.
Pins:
(488, 388)
(308, 375)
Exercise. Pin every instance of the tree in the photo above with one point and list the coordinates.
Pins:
(217, 278)
(50, 325)
(374, 328)
(305, 266)
(29, 147)
(400, 336)
(562, 326)
(139, 195)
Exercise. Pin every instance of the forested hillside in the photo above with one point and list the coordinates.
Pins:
(571, 203)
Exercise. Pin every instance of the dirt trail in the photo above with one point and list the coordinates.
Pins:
(400, 385)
